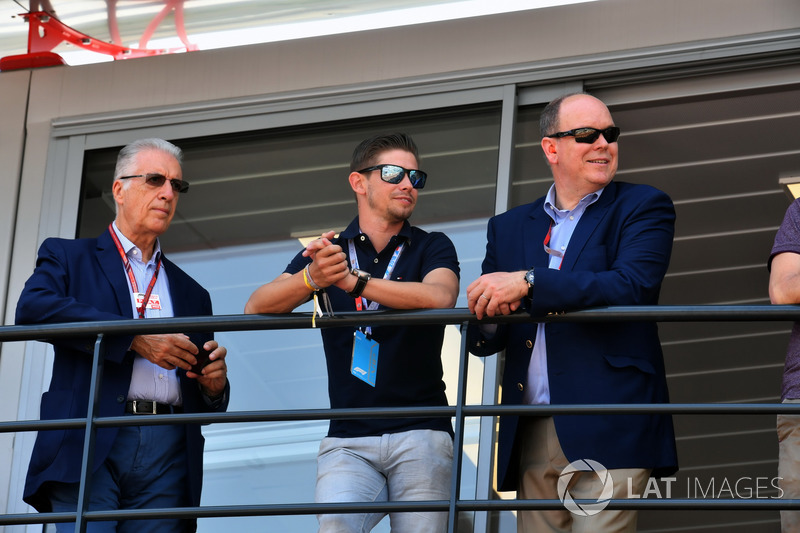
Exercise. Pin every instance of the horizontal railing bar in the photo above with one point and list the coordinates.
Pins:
(636, 504)
(37, 518)
(644, 313)
(276, 509)
(230, 511)
(402, 412)
(707, 313)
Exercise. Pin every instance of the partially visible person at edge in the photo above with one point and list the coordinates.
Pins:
(123, 274)
(379, 262)
(784, 288)
(589, 242)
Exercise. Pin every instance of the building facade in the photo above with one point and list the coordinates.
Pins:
(707, 94)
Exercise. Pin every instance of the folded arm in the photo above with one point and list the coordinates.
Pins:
(438, 289)
(283, 294)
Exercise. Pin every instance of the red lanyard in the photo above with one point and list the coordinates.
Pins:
(129, 270)
(549, 250)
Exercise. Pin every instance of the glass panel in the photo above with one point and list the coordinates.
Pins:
(272, 185)
(251, 196)
(531, 177)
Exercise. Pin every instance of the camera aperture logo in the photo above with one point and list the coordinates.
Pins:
(586, 509)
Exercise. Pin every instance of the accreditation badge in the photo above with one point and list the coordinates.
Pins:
(364, 364)
(154, 302)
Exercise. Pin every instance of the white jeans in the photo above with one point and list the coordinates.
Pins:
(789, 466)
(412, 465)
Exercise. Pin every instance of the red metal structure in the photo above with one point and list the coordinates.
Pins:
(45, 32)
(170, 5)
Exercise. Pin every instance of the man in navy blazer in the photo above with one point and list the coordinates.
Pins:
(121, 275)
(590, 242)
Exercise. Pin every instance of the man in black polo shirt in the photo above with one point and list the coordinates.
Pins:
(379, 262)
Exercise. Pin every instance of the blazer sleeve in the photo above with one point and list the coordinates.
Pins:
(50, 296)
(485, 340)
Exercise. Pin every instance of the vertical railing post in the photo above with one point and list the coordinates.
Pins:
(458, 440)
(89, 435)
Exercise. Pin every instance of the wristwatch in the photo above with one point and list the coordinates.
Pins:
(362, 278)
(529, 281)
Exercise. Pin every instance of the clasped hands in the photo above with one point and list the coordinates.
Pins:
(178, 351)
(329, 264)
(497, 293)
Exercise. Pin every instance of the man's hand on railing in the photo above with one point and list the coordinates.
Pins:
(496, 293)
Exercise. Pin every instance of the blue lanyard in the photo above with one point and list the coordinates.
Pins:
(361, 302)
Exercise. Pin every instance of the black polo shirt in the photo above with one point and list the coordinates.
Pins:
(409, 371)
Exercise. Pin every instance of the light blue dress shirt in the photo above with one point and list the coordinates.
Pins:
(561, 229)
(149, 381)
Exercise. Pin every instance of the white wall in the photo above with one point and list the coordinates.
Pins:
(13, 106)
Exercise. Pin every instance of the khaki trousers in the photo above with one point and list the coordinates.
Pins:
(541, 464)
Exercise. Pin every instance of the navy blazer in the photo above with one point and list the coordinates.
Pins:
(618, 255)
(84, 280)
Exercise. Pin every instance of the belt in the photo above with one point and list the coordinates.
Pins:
(147, 407)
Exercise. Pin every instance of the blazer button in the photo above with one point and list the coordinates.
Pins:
(528, 343)
(120, 398)
(520, 387)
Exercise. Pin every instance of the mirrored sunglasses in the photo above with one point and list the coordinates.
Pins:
(157, 181)
(394, 174)
(589, 135)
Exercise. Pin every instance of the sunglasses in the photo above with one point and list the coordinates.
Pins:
(394, 174)
(589, 135)
(157, 181)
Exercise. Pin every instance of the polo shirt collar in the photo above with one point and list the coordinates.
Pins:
(353, 231)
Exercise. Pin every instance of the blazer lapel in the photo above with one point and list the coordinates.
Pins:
(587, 225)
(534, 233)
(112, 269)
(181, 297)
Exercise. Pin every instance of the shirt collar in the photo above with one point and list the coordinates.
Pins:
(556, 214)
(353, 230)
(128, 246)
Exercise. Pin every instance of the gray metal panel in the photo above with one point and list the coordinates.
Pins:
(719, 157)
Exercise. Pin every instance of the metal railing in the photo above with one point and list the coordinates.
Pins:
(460, 411)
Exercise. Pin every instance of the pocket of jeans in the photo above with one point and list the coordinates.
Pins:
(787, 424)
(327, 445)
(440, 441)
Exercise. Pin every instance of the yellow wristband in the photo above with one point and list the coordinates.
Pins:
(305, 280)
(309, 280)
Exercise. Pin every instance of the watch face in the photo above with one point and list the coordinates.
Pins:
(529, 276)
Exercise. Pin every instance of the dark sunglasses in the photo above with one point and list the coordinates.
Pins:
(394, 174)
(589, 135)
(157, 181)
